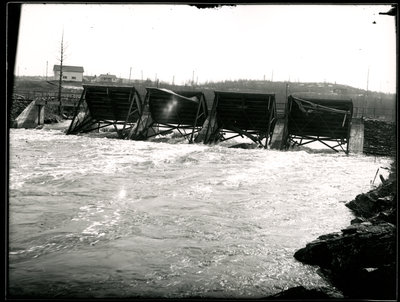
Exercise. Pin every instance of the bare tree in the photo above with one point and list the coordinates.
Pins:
(61, 59)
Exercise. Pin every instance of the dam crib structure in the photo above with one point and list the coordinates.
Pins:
(305, 120)
(104, 106)
(251, 115)
(165, 111)
(327, 121)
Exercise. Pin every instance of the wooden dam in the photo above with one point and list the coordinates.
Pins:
(327, 121)
(253, 116)
(103, 106)
(165, 111)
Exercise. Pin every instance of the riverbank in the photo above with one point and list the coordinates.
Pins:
(360, 260)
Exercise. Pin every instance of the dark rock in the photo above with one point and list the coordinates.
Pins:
(361, 260)
(386, 216)
(344, 259)
(245, 146)
(362, 205)
(375, 201)
(108, 129)
(329, 236)
(358, 220)
(375, 283)
(316, 252)
(51, 118)
(351, 229)
(386, 201)
(300, 292)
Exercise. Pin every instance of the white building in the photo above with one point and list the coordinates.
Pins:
(69, 73)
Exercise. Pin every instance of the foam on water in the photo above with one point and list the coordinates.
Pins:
(99, 217)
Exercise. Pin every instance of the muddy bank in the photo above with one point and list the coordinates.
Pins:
(360, 260)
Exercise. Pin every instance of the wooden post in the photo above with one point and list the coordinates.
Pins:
(195, 122)
(39, 108)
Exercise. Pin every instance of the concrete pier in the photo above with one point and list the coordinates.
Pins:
(356, 141)
(31, 117)
(142, 130)
(209, 127)
(279, 135)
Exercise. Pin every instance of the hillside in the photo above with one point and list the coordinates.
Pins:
(366, 103)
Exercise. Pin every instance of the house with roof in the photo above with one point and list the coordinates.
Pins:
(107, 78)
(69, 73)
(89, 79)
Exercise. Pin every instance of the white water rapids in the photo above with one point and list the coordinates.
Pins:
(98, 217)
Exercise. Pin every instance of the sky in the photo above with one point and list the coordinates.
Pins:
(343, 44)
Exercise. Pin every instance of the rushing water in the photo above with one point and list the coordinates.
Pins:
(99, 217)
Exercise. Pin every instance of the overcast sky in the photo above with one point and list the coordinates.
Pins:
(306, 43)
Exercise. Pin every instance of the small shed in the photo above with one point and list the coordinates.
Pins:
(103, 106)
(319, 119)
(251, 115)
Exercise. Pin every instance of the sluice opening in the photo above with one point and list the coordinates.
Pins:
(234, 114)
(166, 111)
(105, 106)
(323, 120)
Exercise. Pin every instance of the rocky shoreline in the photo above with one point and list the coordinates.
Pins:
(360, 260)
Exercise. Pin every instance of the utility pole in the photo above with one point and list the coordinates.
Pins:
(141, 72)
(193, 78)
(287, 88)
(173, 80)
(286, 101)
(272, 76)
(60, 110)
(130, 70)
(366, 93)
(47, 67)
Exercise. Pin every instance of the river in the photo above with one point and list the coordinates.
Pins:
(92, 216)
